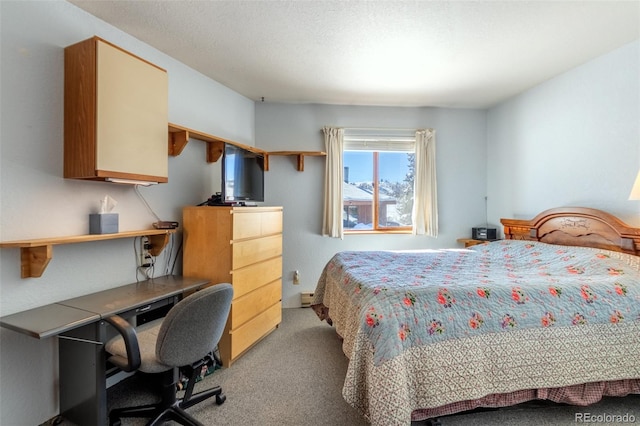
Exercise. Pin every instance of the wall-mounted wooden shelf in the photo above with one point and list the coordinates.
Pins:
(35, 254)
(300, 155)
(179, 137)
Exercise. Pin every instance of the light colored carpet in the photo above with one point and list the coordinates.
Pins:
(294, 377)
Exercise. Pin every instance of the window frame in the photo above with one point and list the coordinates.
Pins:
(376, 228)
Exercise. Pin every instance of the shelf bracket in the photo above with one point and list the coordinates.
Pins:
(177, 141)
(214, 151)
(158, 243)
(34, 260)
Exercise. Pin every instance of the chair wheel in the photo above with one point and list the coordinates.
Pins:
(115, 422)
(220, 399)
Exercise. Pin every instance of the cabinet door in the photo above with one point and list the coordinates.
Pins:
(132, 104)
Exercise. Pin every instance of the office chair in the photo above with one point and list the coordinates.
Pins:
(191, 329)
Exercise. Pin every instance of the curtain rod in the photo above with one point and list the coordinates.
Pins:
(380, 128)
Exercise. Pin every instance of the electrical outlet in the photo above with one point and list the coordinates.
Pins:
(296, 277)
(144, 257)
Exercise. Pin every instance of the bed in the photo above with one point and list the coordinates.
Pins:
(550, 312)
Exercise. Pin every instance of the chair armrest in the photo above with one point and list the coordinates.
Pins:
(128, 333)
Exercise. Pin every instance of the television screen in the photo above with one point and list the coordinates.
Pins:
(242, 175)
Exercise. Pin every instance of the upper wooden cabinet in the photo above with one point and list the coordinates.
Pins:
(115, 114)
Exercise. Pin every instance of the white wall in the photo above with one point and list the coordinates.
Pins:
(37, 202)
(572, 141)
(460, 158)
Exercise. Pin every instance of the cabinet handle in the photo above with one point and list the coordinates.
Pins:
(144, 308)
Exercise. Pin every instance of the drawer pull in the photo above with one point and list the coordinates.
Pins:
(143, 308)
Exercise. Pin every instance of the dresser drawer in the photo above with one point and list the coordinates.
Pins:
(254, 276)
(271, 223)
(256, 224)
(254, 303)
(245, 225)
(248, 252)
(243, 337)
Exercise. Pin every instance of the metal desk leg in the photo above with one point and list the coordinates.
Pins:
(83, 393)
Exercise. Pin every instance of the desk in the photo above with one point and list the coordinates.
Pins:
(79, 324)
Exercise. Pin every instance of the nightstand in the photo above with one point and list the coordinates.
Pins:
(468, 242)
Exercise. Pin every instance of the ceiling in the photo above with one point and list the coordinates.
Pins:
(465, 54)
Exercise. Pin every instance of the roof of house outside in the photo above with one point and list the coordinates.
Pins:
(351, 192)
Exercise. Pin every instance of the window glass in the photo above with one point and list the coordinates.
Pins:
(357, 190)
(395, 193)
(377, 190)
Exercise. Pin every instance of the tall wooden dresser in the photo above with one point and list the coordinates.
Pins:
(241, 246)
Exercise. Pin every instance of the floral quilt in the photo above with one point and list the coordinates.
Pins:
(417, 298)
(436, 327)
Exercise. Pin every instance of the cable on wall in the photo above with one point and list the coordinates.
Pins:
(175, 258)
(137, 190)
(168, 252)
(146, 270)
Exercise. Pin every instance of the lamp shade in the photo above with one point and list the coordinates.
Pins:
(635, 191)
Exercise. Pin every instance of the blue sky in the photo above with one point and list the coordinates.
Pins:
(394, 166)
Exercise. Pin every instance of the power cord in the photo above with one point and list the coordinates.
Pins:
(175, 259)
(146, 269)
(137, 190)
(168, 252)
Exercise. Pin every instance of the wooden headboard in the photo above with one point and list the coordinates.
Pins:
(576, 226)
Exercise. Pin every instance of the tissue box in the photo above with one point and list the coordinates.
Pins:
(103, 223)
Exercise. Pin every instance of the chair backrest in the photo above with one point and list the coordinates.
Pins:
(194, 326)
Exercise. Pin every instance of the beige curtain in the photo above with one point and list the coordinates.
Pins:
(425, 194)
(333, 178)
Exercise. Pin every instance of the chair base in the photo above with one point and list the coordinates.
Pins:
(160, 414)
(170, 408)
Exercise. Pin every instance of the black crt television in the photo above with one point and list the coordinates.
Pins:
(242, 175)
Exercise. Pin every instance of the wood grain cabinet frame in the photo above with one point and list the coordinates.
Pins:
(241, 246)
(115, 114)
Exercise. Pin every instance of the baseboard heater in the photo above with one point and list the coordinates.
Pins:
(305, 299)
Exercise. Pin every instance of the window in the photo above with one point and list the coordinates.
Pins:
(385, 158)
(378, 183)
